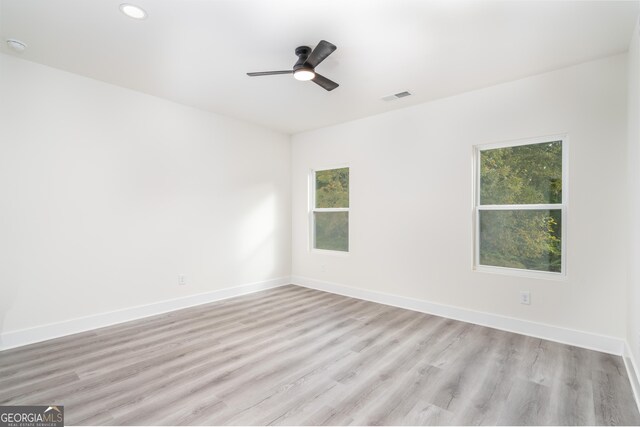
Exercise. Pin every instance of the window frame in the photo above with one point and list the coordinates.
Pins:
(313, 210)
(477, 207)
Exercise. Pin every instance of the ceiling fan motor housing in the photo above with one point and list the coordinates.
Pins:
(302, 52)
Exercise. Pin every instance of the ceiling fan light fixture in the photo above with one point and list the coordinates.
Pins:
(305, 67)
(304, 74)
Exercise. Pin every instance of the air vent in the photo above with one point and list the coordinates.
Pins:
(396, 96)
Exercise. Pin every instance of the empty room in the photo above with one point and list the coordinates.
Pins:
(335, 212)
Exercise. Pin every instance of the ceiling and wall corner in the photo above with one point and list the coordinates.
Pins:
(197, 52)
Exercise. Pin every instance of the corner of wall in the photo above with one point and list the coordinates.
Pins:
(633, 373)
(632, 346)
(632, 350)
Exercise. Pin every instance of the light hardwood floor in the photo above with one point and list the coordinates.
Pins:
(297, 356)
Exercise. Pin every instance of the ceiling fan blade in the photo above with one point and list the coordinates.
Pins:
(269, 73)
(324, 82)
(320, 53)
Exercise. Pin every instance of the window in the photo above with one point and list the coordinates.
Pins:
(521, 207)
(330, 210)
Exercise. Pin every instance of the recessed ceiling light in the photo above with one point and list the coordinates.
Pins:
(16, 45)
(132, 11)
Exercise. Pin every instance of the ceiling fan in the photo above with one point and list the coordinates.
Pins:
(304, 68)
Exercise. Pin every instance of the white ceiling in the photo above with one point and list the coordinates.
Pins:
(197, 52)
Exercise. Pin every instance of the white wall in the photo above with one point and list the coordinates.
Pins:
(106, 195)
(411, 197)
(633, 324)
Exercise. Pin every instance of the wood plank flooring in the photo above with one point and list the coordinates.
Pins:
(296, 356)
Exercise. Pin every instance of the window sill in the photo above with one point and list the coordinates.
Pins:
(330, 252)
(517, 272)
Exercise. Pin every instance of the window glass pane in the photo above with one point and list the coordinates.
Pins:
(527, 239)
(525, 174)
(332, 188)
(332, 230)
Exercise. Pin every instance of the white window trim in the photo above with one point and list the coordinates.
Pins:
(313, 209)
(562, 206)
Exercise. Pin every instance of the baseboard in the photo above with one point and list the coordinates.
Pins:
(573, 337)
(73, 326)
(632, 372)
(554, 333)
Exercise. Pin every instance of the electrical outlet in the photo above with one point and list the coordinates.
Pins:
(182, 280)
(525, 297)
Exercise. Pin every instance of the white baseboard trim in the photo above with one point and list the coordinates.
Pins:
(539, 330)
(632, 372)
(73, 326)
(573, 337)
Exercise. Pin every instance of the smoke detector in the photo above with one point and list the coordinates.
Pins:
(16, 45)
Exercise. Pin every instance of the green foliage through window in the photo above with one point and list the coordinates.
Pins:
(526, 239)
(524, 174)
(332, 231)
(332, 188)
(331, 228)
(521, 237)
